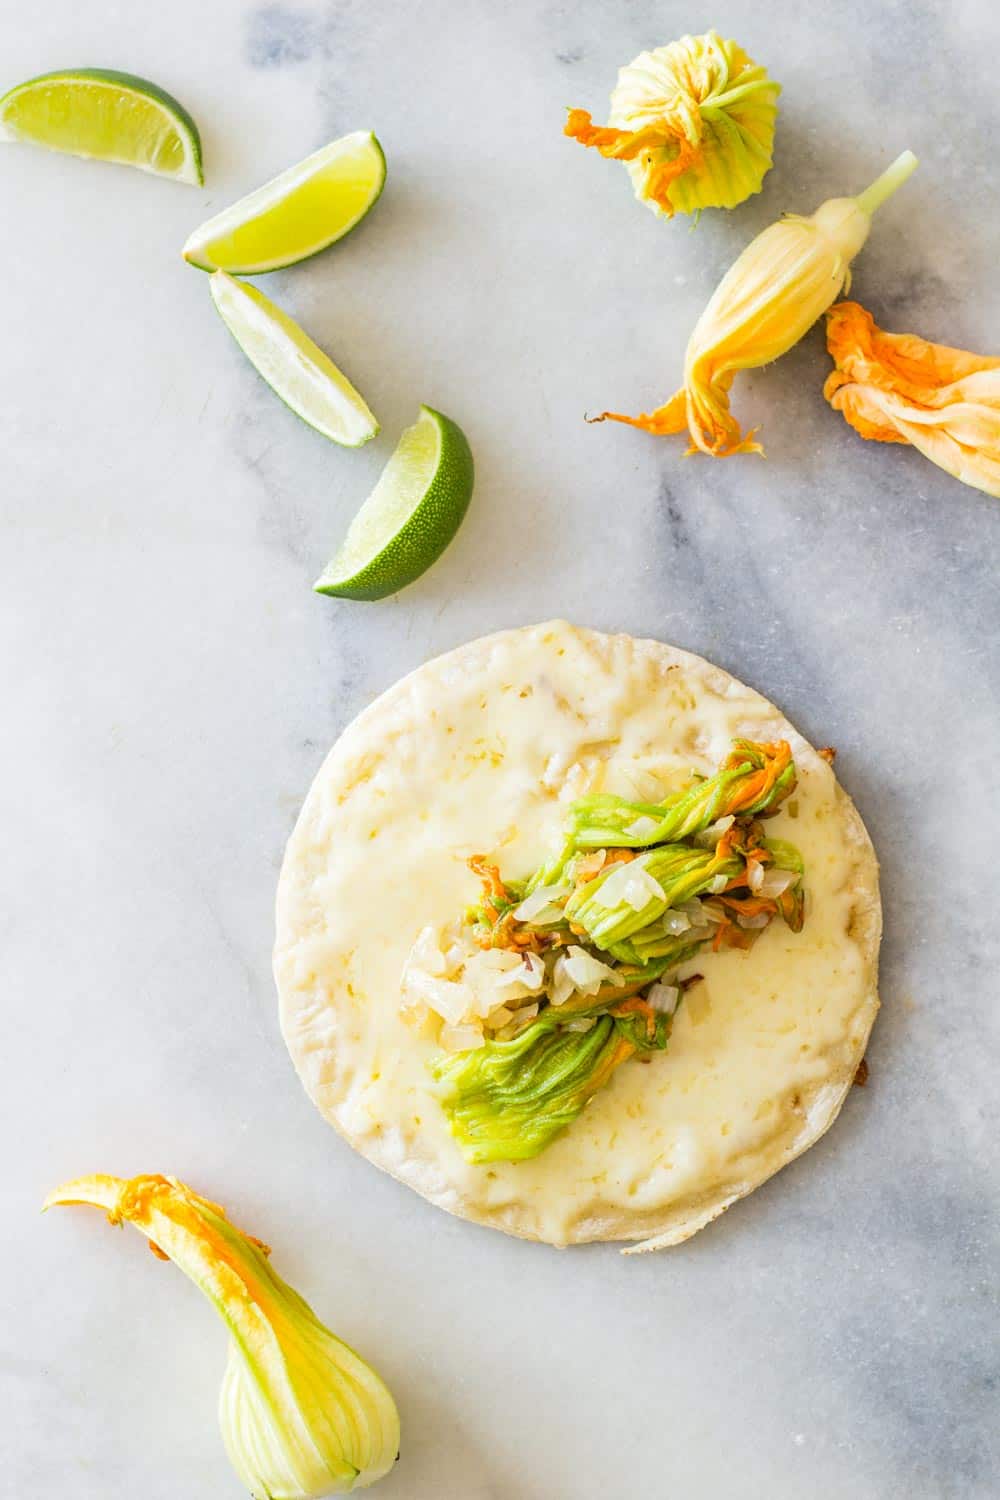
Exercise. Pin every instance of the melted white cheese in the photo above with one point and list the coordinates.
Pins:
(478, 752)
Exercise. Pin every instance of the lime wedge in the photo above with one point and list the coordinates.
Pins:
(296, 214)
(96, 112)
(293, 366)
(410, 516)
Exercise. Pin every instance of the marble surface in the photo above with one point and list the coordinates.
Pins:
(171, 685)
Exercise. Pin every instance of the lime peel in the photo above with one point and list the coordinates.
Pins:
(296, 214)
(105, 115)
(294, 367)
(410, 516)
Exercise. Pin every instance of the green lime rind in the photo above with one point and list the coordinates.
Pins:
(297, 369)
(185, 129)
(295, 215)
(376, 561)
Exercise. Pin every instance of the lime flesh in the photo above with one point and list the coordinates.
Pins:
(295, 215)
(410, 516)
(294, 367)
(99, 113)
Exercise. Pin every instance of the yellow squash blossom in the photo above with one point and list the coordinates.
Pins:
(898, 388)
(302, 1415)
(694, 123)
(775, 291)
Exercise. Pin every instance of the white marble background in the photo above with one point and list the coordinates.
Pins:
(171, 685)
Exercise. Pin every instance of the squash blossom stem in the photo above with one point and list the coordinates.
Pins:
(883, 187)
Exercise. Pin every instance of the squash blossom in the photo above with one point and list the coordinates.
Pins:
(693, 122)
(754, 777)
(302, 1415)
(898, 388)
(647, 913)
(783, 282)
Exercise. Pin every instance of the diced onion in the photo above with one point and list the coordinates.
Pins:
(632, 884)
(777, 882)
(611, 891)
(562, 984)
(461, 1038)
(451, 999)
(577, 971)
(546, 895)
(588, 973)
(695, 912)
(710, 836)
(549, 916)
(590, 865)
(535, 967)
(642, 827)
(426, 953)
(675, 922)
(718, 884)
(520, 1021)
(497, 960)
(642, 889)
(529, 975)
(500, 976)
(755, 877)
(663, 997)
(754, 923)
(585, 1023)
(489, 978)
